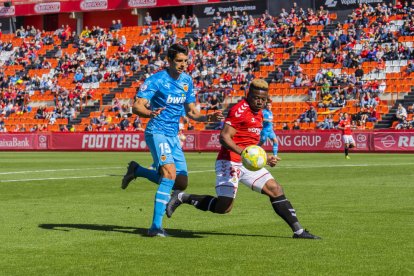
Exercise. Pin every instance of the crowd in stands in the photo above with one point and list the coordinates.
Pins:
(229, 52)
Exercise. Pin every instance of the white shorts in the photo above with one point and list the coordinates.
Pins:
(348, 139)
(228, 175)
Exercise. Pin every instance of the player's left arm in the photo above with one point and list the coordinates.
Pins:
(193, 114)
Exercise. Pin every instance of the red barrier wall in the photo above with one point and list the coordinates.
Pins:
(289, 141)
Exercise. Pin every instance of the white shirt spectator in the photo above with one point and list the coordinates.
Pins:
(148, 19)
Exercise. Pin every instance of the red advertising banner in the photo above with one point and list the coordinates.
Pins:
(329, 141)
(289, 141)
(96, 141)
(91, 5)
(393, 141)
(24, 141)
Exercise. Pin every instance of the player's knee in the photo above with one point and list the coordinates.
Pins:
(168, 171)
(181, 182)
(223, 205)
(272, 189)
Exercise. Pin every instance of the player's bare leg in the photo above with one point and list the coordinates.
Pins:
(282, 206)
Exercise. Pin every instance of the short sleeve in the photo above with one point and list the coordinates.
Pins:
(234, 118)
(190, 93)
(147, 89)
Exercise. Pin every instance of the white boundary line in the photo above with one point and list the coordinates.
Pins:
(60, 170)
(190, 172)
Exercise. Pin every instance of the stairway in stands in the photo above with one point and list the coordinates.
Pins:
(296, 55)
(388, 119)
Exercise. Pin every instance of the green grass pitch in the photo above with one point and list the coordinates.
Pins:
(65, 214)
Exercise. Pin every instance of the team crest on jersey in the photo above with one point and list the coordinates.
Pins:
(253, 120)
(163, 158)
(143, 87)
(185, 87)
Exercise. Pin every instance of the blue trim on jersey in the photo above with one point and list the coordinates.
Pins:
(163, 91)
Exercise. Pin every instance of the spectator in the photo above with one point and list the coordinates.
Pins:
(194, 22)
(279, 76)
(310, 115)
(285, 126)
(295, 69)
(190, 126)
(147, 19)
(174, 21)
(182, 23)
(296, 126)
(401, 113)
(326, 100)
(124, 124)
(410, 67)
(327, 123)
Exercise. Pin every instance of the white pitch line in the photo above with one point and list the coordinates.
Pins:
(51, 178)
(341, 165)
(61, 170)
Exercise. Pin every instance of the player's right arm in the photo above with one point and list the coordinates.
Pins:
(144, 95)
(226, 139)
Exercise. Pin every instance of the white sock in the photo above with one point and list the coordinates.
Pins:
(300, 231)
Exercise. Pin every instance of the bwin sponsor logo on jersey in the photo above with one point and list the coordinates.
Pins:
(175, 100)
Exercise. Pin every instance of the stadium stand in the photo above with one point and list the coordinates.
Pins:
(63, 81)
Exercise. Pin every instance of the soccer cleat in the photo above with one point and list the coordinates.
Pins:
(157, 233)
(306, 235)
(130, 174)
(173, 203)
(347, 157)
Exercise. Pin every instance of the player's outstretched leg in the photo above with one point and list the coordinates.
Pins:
(135, 170)
(282, 206)
(201, 202)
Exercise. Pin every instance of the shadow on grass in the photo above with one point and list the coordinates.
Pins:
(177, 233)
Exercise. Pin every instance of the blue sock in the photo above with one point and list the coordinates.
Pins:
(161, 199)
(275, 148)
(151, 175)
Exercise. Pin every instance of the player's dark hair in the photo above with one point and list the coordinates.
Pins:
(176, 49)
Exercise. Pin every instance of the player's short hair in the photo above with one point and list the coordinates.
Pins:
(259, 84)
(176, 49)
